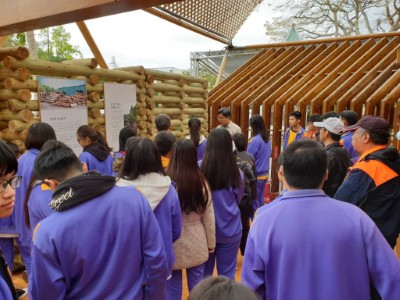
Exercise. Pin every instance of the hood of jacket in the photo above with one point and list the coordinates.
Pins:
(80, 189)
(153, 186)
(97, 150)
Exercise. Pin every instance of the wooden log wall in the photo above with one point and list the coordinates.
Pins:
(359, 73)
(179, 96)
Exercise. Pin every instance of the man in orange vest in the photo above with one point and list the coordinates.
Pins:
(373, 183)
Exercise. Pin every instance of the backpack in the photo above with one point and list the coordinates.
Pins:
(250, 186)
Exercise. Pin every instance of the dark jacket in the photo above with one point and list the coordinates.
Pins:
(338, 164)
(373, 184)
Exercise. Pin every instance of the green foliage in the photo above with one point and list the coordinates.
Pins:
(205, 74)
(46, 88)
(15, 40)
(54, 45)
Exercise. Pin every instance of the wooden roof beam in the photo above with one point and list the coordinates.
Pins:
(25, 15)
(325, 66)
(388, 101)
(381, 92)
(320, 41)
(362, 78)
(217, 90)
(92, 44)
(359, 99)
(340, 67)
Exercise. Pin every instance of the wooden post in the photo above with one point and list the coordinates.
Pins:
(222, 68)
(3, 39)
(92, 44)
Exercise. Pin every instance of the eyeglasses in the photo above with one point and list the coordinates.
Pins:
(13, 182)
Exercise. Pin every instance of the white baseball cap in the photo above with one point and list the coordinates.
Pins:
(334, 125)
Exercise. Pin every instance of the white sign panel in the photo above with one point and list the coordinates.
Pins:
(63, 106)
(120, 110)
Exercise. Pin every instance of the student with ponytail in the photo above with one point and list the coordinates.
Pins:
(197, 138)
(96, 152)
(260, 147)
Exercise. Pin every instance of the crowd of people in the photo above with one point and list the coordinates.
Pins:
(125, 225)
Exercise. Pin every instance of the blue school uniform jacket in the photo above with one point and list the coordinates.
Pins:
(38, 205)
(109, 247)
(228, 225)
(310, 246)
(261, 152)
(25, 169)
(164, 201)
(103, 167)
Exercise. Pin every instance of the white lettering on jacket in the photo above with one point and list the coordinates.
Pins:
(59, 200)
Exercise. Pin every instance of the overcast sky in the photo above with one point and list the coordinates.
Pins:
(139, 38)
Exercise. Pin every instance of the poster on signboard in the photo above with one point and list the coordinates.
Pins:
(63, 106)
(120, 110)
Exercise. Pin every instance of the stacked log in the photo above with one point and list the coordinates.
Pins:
(179, 96)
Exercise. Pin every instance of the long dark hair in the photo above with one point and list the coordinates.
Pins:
(190, 182)
(95, 136)
(219, 165)
(258, 126)
(142, 157)
(31, 185)
(194, 129)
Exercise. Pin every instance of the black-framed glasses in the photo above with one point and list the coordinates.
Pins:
(13, 182)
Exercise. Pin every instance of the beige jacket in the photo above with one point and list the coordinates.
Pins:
(198, 235)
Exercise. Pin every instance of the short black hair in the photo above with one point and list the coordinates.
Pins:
(8, 160)
(314, 118)
(225, 111)
(14, 148)
(379, 139)
(163, 122)
(164, 141)
(55, 161)
(221, 287)
(125, 133)
(38, 134)
(142, 157)
(350, 116)
(240, 142)
(330, 114)
(304, 164)
(295, 114)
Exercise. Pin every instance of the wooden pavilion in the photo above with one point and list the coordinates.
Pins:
(360, 73)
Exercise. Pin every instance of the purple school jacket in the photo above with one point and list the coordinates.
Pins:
(93, 164)
(105, 248)
(228, 225)
(169, 216)
(25, 169)
(310, 246)
(261, 152)
(38, 205)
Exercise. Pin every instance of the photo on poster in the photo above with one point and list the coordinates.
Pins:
(56, 93)
(63, 106)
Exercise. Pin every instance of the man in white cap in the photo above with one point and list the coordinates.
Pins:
(330, 133)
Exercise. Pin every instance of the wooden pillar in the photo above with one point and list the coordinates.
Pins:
(222, 68)
(92, 44)
(3, 39)
(276, 145)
